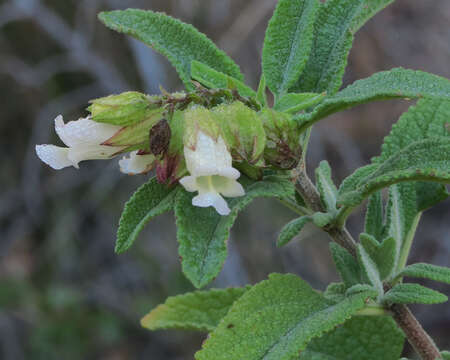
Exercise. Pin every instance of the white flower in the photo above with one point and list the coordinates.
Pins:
(136, 164)
(211, 174)
(83, 138)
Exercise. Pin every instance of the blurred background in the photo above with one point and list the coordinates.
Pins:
(64, 294)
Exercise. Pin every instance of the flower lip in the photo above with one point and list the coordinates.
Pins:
(136, 164)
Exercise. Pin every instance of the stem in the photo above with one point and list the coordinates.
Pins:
(416, 335)
(312, 198)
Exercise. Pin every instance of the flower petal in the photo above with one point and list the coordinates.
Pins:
(136, 164)
(232, 189)
(84, 132)
(209, 157)
(212, 199)
(55, 156)
(92, 152)
(189, 183)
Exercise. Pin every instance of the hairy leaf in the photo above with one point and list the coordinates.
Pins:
(327, 190)
(199, 310)
(395, 83)
(427, 271)
(150, 200)
(426, 160)
(291, 230)
(288, 43)
(179, 42)
(413, 294)
(346, 265)
(336, 23)
(384, 254)
(362, 338)
(202, 233)
(322, 219)
(293, 102)
(261, 96)
(351, 181)
(335, 291)
(370, 268)
(275, 320)
(374, 221)
(214, 79)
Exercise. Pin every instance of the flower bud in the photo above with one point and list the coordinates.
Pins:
(242, 130)
(283, 149)
(124, 109)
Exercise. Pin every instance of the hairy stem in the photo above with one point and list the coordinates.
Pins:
(416, 335)
(311, 197)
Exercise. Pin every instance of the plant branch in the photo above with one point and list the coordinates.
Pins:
(416, 335)
(311, 197)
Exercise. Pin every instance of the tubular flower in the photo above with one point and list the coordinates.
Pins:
(136, 164)
(82, 138)
(211, 174)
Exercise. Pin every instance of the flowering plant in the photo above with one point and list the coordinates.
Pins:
(220, 144)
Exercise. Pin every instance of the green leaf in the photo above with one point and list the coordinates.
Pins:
(214, 79)
(401, 216)
(291, 230)
(150, 200)
(395, 83)
(425, 120)
(426, 160)
(288, 43)
(327, 190)
(202, 233)
(199, 310)
(374, 221)
(445, 355)
(335, 291)
(346, 265)
(427, 271)
(362, 338)
(275, 320)
(321, 219)
(336, 23)
(413, 294)
(358, 288)
(384, 254)
(351, 181)
(292, 103)
(370, 268)
(179, 42)
(261, 96)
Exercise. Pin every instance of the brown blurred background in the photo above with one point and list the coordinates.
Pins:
(64, 294)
